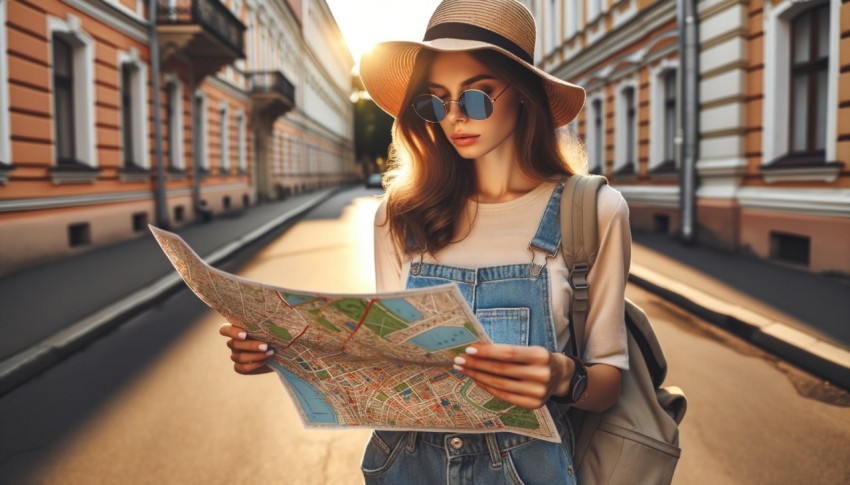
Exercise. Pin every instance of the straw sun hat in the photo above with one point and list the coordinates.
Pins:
(504, 26)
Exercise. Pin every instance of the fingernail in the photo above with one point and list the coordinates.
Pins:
(270, 352)
(458, 368)
(263, 347)
(244, 335)
(471, 350)
(460, 360)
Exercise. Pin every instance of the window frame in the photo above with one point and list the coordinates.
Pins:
(778, 163)
(138, 95)
(596, 134)
(810, 69)
(70, 30)
(200, 110)
(622, 147)
(659, 104)
(5, 123)
(241, 142)
(224, 138)
(174, 123)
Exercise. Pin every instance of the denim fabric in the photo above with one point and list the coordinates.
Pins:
(512, 302)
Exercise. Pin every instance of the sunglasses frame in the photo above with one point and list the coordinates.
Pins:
(462, 108)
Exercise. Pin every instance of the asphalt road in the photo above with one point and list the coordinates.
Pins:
(156, 401)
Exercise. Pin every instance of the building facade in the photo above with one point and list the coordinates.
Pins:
(239, 115)
(772, 116)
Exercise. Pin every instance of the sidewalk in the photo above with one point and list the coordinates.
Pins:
(50, 311)
(798, 316)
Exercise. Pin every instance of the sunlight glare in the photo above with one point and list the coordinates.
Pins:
(364, 23)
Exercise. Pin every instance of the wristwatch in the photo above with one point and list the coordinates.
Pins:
(578, 383)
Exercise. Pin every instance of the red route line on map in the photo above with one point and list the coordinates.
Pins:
(360, 323)
(296, 337)
(284, 301)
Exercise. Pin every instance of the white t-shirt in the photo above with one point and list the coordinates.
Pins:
(500, 234)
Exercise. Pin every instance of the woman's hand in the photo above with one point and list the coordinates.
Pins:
(249, 356)
(523, 376)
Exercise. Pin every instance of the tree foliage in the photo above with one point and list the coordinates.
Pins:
(372, 131)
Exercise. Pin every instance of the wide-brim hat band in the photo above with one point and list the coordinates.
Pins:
(505, 26)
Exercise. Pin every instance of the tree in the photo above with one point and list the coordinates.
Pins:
(372, 131)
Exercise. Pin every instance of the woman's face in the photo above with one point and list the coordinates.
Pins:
(453, 73)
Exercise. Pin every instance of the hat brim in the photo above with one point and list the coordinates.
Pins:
(386, 71)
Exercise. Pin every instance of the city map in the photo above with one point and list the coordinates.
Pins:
(380, 361)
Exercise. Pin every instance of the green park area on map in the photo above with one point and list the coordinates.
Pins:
(381, 361)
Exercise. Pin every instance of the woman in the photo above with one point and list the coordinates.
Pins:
(473, 199)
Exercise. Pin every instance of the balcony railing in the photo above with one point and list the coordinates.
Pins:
(211, 15)
(272, 82)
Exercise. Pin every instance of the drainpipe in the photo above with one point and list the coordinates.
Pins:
(161, 203)
(686, 13)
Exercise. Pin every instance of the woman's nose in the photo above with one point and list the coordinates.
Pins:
(453, 112)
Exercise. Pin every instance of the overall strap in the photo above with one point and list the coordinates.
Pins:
(580, 244)
(548, 236)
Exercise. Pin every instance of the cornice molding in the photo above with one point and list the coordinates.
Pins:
(119, 17)
(615, 41)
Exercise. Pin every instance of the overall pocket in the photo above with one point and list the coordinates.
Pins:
(382, 451)
(505, 325)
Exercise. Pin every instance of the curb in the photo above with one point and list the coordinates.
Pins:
(811, 353)
(28, 363)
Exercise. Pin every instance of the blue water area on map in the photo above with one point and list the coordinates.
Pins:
(312, 401)
(443, 338)
(402, 309)
(295, 300)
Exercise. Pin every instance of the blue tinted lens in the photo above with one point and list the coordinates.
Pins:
(429, 107)
(475, 104)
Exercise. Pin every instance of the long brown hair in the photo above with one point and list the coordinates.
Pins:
(429, 184)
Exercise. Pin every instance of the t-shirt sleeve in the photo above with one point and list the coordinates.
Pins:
(606, 327)
(387, 256)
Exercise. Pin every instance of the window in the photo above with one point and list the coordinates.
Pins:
(223, 112)
(200, 112)
(594, 9)
(127, 118)
(552, 18)
(627, 102)
(809, 69)
(573, 17)
(663, 117)
(174, 122)
(72, 78)
(5, 131)
(242, 142)
(670, 116)
(134, 115)
(597, 138)
(801, 99)
(79, 234)
(625, 129)
(63, 101)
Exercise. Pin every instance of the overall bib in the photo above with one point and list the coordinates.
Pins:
(513, 304)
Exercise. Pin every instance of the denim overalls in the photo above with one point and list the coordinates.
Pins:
(513, 304)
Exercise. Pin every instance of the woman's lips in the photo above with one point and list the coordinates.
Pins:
(464, 140)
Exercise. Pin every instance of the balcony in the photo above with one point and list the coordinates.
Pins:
(272, 94)
(204, 31)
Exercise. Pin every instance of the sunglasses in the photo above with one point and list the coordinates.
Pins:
(474, 104)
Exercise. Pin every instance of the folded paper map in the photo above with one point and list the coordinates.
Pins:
(381, 361)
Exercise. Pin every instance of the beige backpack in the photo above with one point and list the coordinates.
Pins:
(636, 441)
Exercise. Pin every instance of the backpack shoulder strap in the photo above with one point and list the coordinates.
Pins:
(579, 245)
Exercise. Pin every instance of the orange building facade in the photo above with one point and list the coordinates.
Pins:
(772, 116)
(78, 144)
